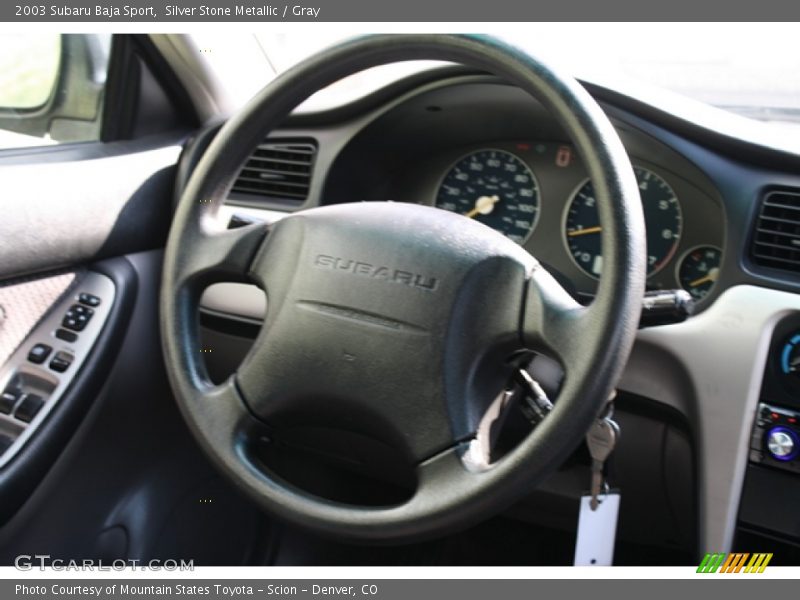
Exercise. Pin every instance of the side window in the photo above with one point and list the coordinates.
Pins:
(51, 88)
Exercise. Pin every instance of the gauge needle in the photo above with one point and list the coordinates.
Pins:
(483, 206)
(577, 232)
(712, 276)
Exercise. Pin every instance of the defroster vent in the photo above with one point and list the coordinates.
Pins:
(277, 171)
(776, 240)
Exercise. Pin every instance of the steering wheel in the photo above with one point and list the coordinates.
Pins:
(393, 320)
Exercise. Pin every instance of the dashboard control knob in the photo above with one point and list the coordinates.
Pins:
(782, 443)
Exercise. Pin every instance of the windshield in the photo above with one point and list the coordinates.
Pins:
(752, 69)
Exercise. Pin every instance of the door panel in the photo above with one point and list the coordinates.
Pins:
(73, 211)
(30, 462)
(127, 480)
(106, 468)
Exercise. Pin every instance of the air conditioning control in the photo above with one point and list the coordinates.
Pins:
(782, 443)
(776, 438)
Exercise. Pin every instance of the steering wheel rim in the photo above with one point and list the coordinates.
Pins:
(593, 342)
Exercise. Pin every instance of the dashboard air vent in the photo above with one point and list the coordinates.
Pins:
(776, 242)
(277, 171)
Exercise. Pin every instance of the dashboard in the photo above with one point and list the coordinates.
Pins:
(470, 144)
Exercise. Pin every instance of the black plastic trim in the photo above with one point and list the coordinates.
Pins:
(167, 78)
(733, 148)
(122, 91)
(230, 324)
(788, 274)
(764, 510)
(370, 102)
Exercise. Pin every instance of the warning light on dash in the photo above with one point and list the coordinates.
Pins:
(563, 156)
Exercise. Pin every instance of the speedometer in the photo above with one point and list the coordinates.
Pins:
(662, 216)
(494, 187)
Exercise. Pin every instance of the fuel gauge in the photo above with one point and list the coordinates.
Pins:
(698, 270)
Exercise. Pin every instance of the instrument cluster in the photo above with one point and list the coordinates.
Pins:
(538, 195)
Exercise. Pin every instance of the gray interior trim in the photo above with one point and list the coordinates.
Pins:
(711, 368)
(78, 211)
(235, 299)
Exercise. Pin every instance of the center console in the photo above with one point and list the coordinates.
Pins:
(767, 513)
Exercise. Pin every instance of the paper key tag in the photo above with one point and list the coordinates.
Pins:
(597, 531)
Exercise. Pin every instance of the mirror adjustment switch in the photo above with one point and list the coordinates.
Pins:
(39, 353)
(88, 299)
(61, 361)
(7, 401)
(29, 407)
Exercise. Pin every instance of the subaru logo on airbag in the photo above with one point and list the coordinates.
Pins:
(365, 269)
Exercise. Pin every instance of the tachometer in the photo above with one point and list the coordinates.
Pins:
(496, 188)
(662, 215)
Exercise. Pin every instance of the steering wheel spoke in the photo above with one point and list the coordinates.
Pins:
(553, 321)
(225, 255)
(219, 418)
(451, 466)
(223, 406)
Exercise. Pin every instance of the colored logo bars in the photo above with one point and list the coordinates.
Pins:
(735, 562)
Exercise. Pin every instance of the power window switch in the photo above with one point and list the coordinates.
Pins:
(29, 408)
(79, 309)
(7, 401)
(61, 361)
(77, 317)
(39, 353)
(73, 323)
